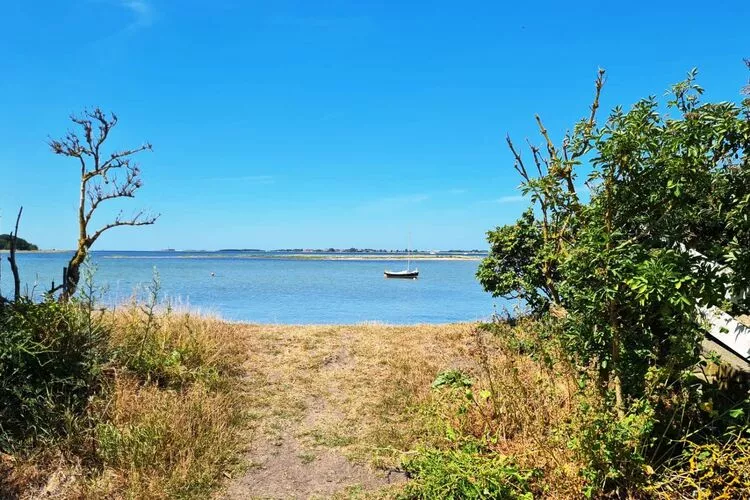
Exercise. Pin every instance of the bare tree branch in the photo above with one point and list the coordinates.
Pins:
(550, 146)
(591, 123)
(103, 178)
(518, 165)
(139, 219)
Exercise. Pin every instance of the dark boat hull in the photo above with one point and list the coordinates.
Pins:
(410, 275)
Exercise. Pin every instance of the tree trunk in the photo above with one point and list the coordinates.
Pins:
(73, 274)
(12, 260)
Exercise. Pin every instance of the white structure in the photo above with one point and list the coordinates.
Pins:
(731, 333)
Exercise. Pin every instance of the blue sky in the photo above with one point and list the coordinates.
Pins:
(327, 123)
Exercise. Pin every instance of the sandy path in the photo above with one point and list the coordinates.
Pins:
(328, 402)
(307, 418)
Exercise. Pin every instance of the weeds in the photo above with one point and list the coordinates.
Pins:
(139, 402)
(509, 408)
(466, 473)
(718, 469)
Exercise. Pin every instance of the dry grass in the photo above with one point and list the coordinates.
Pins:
(167, 424)
(160, 443)
(365, 392)
(170, 428)
(359, 388)
(189, 393)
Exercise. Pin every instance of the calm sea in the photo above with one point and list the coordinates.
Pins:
(278, 289)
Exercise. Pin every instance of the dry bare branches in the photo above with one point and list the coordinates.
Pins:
(104, 177)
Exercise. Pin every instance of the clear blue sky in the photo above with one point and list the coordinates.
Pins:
(327, 123)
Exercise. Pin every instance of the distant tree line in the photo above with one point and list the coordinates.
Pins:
(21, 244)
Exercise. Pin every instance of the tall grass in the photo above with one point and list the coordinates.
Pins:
(521, 421)
(139, 402)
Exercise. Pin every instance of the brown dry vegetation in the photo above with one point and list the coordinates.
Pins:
(167, 420)
(317, 411)
(363, 392)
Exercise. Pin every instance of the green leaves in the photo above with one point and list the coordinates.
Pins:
(452, 378)
(623, 265)
(513, 268)
(466, 473)
(666, 229)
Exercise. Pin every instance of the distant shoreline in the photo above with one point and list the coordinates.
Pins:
(37, 251)
(271, 256)
(266, 255)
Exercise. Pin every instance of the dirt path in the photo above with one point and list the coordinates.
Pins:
(330, 406)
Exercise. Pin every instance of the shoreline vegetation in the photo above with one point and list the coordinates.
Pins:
(187, 406)
(190, 406)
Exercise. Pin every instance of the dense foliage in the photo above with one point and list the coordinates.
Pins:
(666, 230)
(21, 244)
(50, 362)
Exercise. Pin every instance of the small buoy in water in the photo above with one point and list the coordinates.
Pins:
(213, 275)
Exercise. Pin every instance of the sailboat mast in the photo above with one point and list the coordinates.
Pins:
(408, 253)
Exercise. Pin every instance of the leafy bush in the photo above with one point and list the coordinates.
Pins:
(625, 270)
(50, 365)
(465, 473)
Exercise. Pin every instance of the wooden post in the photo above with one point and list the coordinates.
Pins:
(12, 260)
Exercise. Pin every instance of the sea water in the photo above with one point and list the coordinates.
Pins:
(275, 288)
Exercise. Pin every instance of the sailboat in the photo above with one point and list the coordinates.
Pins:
(406, 274)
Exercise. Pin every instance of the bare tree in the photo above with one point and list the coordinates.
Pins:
(14, 264)
(103, 177)
(12, 259)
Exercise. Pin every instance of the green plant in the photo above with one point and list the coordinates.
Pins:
(718, 468)
(466, 472)
(611, 449)
(624, 270)
(51, 358)
(452, 378)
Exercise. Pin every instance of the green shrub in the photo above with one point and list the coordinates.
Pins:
(623, 263)
(465, 473)
(50, 364)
